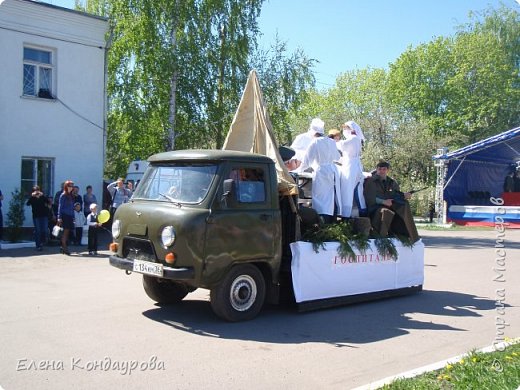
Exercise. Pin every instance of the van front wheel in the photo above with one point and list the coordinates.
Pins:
(164, 290)
(240, 296)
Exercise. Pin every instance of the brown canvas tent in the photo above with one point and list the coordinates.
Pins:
(251, 131)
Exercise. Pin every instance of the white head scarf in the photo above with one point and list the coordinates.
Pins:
(317, 126)
(354, 126)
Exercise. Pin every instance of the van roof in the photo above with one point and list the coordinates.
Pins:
(209, 155)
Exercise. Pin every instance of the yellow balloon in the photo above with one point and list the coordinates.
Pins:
(104, 216)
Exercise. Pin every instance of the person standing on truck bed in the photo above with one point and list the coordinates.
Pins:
(320, 156)
(302, 141)
(351, 171)
(119, 194)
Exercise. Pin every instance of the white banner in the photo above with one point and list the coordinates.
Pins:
(327, 275)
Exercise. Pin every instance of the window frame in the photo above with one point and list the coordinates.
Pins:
(239, 181)
(173, 182)
(38, 90)
(44, 180)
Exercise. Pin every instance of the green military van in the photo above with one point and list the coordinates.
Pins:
(212, 219)
(219, 220)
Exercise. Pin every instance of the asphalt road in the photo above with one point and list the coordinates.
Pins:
(75, 322)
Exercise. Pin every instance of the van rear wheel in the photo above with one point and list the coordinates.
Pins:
(241, 294)
(164, 290)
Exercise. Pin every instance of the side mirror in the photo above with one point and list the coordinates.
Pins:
(229, 190)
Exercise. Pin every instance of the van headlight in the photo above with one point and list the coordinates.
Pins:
(168, 236)
(116, 228)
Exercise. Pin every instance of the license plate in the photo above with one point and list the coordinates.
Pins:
(145, 267)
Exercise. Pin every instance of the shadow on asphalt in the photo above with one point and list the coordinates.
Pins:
(458, 242)
(53, 247)
(342, 326)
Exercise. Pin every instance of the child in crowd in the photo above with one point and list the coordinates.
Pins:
(93, 228)
(79, 222)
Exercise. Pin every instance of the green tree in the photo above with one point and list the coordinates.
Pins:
(176, 69)
(357, 95)
(417, 82)
(16, 215)
(482, 90)
(315, 105)
(360, 96)
(285, 79)
(467, 86)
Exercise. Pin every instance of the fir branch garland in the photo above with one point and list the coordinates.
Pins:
(405, 241)
(385, 247)
(316, 237)
(348, 240)
(361, 242)
(339, 232)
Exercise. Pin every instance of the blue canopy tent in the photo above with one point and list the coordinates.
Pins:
(476, 172)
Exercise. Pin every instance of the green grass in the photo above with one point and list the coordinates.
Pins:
(477, 370)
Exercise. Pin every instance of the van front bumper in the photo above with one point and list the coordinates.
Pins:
(168, 272)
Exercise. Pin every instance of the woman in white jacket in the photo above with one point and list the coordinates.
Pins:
(351, 171)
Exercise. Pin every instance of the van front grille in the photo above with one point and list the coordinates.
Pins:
(136, 249)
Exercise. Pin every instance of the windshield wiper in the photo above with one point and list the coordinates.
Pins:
(171, 199)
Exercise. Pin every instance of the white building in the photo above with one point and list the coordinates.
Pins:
(52, 99)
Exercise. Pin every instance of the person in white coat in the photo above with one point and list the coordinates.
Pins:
(302, 141)
(320, 156)
(350, 126)
(351, 172)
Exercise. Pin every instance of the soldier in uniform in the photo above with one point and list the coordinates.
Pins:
(388, 208)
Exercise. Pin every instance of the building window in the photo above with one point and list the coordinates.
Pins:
(37, 171)
(38, 72)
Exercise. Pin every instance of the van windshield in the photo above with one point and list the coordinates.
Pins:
(182, 183)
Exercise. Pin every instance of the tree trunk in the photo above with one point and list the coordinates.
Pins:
(171, 116)
(220, 89)
(173, 87)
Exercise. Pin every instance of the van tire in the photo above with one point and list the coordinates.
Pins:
(164, 290)
(241, 294)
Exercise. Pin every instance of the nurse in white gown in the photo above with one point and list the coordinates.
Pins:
(302, 141)
(320, 155)
(351, 171)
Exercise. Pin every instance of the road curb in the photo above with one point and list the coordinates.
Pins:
(430, 367)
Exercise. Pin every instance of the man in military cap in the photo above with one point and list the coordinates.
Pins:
(288, 157)
(388, 208)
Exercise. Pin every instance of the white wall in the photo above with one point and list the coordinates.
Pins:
(57, 129)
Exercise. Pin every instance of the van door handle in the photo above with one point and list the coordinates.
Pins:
(265, 217)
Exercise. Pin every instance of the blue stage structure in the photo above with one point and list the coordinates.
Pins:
(470, 181)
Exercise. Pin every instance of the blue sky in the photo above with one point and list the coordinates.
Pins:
(353, 34)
